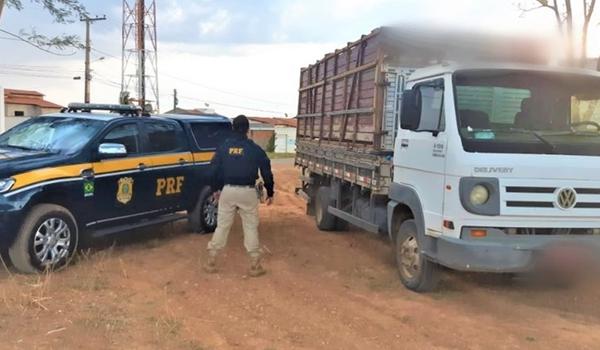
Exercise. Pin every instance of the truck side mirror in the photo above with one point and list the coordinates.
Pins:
(410, 113)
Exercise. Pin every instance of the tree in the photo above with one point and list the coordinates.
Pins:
(271, 145)
(62, 12)
(564, 16)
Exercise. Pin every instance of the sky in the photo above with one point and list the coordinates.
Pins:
(236, 56)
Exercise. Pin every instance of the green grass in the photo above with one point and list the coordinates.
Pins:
(281, 155)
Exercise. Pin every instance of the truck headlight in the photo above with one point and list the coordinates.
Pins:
(479, 195)
(6, 185)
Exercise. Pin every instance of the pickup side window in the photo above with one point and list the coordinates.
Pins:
(432, 107)
(164, 137)
(209, 135)
(126, 135)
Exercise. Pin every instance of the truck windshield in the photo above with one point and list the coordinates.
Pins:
(51, 134)
(507, 111)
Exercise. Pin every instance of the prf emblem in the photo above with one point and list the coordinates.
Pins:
(125, 190)
(169, 185)
(235, 151)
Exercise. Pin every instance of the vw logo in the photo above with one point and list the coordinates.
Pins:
(566, 198)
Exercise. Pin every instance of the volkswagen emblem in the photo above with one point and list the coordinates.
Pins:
(566, 198)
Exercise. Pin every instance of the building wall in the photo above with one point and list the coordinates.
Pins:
(28, 110)
(2, 118)
(285, 139)
(261, 137)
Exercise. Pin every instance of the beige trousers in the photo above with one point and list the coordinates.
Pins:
(243, 200)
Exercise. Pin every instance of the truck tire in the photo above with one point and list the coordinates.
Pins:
(47, 240)
(203, 218)
(325, 221)
(417, 273)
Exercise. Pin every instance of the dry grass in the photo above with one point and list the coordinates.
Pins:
(26, 293)
(106, 319)
(166, 326)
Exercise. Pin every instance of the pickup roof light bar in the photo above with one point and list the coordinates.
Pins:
(113, 108)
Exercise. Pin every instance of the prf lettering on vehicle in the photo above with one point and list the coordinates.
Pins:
(234, 151)
(169, 185)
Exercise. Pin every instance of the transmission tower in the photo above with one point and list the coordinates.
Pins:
(139, 69)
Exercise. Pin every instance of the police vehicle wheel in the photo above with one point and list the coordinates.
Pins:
(417, 273)
(325, 221)
(203, 219)
(46, 240)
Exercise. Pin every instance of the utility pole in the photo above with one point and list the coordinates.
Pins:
(175, 99)
(88, 46)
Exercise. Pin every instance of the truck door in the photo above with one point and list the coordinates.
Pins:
(420, 154)
(171, 164)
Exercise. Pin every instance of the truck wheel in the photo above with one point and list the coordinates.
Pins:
(416, 272)
(325, 221)
(203, 219)
(46, 240)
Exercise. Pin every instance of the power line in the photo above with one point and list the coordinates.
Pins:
(204, 86)
(107, 81)
(231, 105)
(20, 38)
(43, 69)
(22, 74)
(225, 92)
(105, 53)
(5, 38)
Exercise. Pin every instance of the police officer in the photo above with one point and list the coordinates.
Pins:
(236, 165)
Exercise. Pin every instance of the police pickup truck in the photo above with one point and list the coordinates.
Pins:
(94, 170)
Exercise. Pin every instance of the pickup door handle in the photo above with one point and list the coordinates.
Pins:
(142, 166)
(182, 161)
(87, 174)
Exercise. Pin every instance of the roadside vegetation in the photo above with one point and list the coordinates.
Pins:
(273, 155)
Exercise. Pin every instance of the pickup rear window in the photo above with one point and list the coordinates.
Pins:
(164, 137)
(210, 135)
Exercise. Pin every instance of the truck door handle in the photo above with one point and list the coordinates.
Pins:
(142, 166)
(182, 161)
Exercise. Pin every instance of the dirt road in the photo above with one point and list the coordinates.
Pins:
(323, 291)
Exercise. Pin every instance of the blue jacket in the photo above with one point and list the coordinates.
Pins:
(237, 162)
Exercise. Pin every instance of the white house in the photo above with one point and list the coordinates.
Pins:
(285, 132)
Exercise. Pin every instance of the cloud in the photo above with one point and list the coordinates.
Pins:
(174, 13)
(216, 23)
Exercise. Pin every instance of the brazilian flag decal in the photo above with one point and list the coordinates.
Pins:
(88, 188)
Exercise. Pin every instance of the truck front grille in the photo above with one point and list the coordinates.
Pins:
(521, 199)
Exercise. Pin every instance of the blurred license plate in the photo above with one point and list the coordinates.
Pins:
(566, 256)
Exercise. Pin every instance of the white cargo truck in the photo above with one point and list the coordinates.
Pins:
(477, 167)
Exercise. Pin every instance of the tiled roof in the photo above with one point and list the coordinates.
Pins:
(27, 97)
(293, 123)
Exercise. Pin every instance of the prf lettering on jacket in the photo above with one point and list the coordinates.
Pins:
(169, 185)
(235, 151)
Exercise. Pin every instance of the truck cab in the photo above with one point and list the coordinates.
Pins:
(94, 170)
(503, 160)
